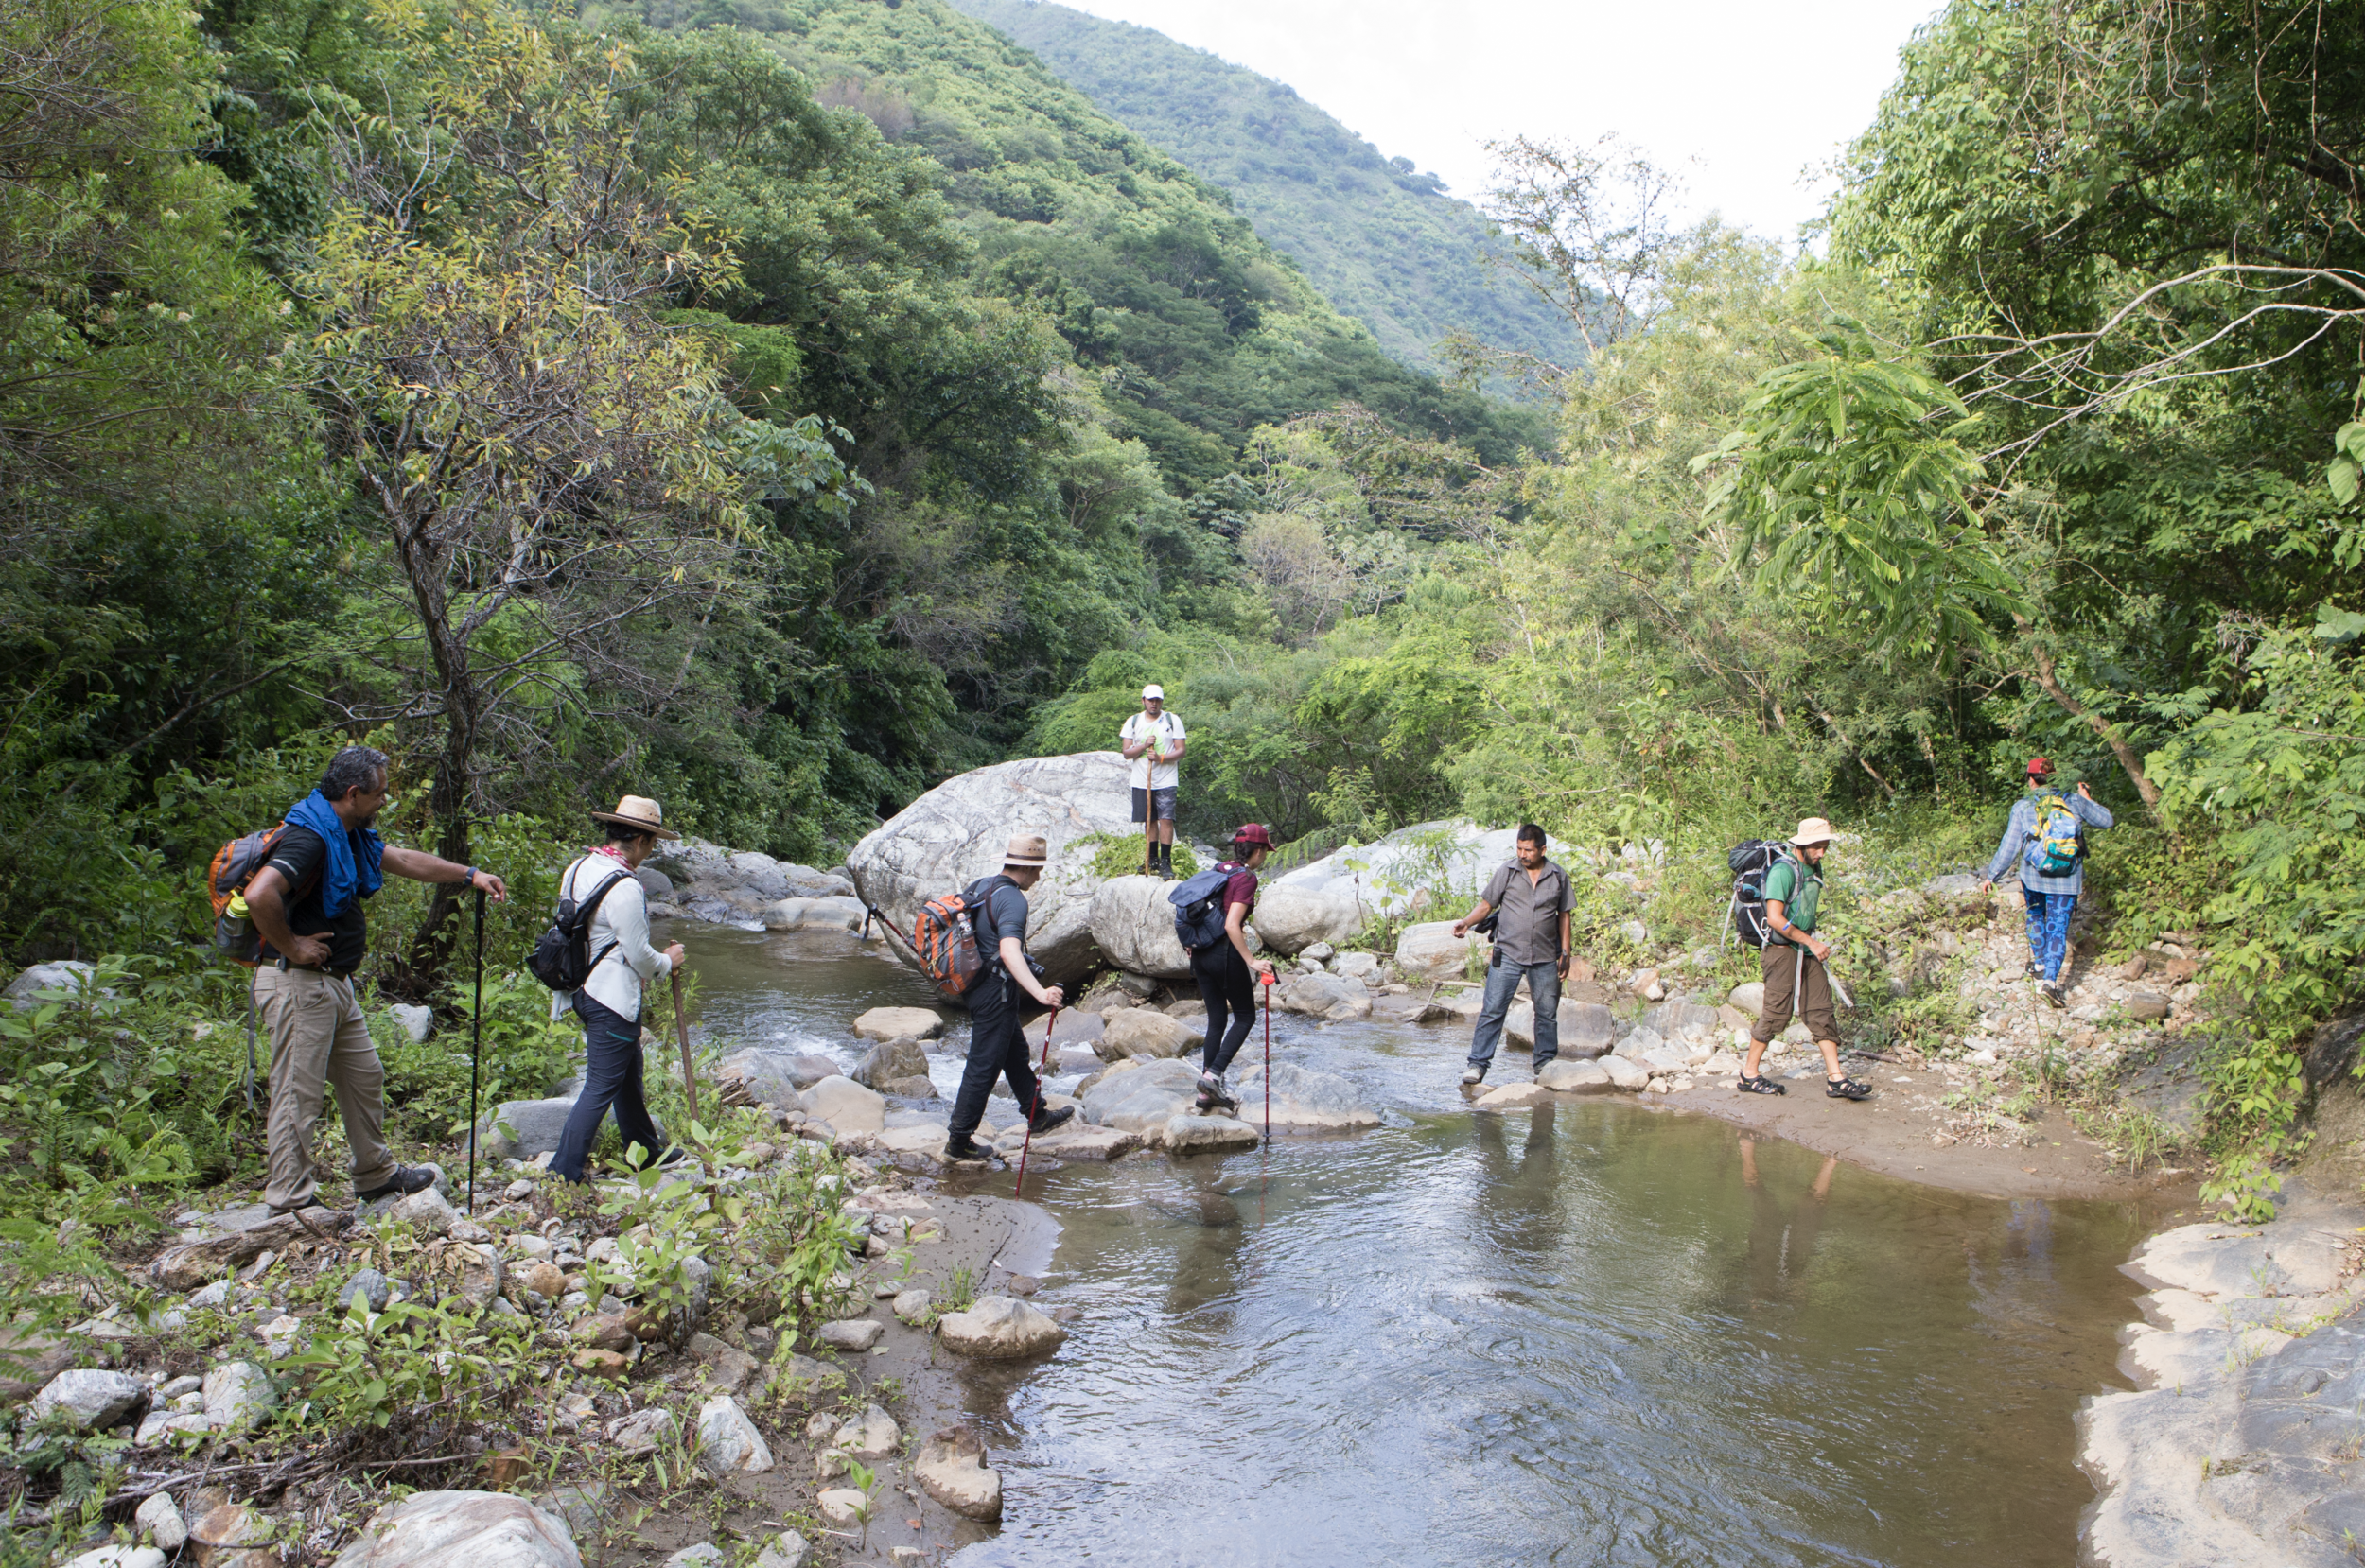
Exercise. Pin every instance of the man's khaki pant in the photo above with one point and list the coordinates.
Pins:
(1789, 969)
(319, 1038)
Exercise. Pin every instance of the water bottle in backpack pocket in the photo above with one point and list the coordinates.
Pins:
(2055, 839)
(944, 936)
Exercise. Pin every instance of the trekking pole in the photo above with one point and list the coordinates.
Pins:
(1036, 1110)
(475, 1046)
(681, 1029)
(1267, 979)
(249, 1086)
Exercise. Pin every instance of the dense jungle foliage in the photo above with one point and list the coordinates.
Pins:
(778, 408)
(1377, 236)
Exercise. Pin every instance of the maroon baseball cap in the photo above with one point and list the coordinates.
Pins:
(1253, 833)
(2039, 766)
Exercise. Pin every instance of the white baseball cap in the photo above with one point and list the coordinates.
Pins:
(1157, 691)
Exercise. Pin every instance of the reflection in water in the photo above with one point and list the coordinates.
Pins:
(1589, 1334)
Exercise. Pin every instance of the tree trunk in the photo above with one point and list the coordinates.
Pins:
(2108, 731)
(426, 559)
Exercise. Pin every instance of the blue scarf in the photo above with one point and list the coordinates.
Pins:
(341, 873)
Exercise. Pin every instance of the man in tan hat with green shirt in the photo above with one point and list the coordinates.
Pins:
(996, 1048)
(1793, 965)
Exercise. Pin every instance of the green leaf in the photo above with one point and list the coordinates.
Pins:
(2335, 624)
(2342, 477)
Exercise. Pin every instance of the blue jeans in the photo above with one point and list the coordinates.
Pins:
(1502, 984)
(2048, 928)
(612, 1077)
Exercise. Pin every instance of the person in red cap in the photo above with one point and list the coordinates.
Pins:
(2048, 834)
(1227, 972)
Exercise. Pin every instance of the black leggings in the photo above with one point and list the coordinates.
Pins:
(1228, 987)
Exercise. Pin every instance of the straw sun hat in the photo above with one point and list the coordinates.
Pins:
(639, 811)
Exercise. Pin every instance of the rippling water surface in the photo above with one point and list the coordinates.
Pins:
(1586, 1335)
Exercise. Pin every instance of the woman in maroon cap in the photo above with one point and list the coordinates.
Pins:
(1227, 972)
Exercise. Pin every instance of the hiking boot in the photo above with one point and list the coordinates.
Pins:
(1474, 1074)
(1045, 1121)
(406, 1180)
(2051, 990)
(963, 1149)
(1213, 1095)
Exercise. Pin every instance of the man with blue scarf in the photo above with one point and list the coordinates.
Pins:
(307, 904)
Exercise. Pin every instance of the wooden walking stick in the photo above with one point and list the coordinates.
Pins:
(1036, 1110)
(681, 1027)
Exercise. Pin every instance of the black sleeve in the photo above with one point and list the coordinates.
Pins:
(297, 857)
(1006, 910)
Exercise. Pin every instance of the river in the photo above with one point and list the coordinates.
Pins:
(1589, 1334)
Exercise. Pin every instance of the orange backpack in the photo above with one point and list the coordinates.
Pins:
(944, 936)
(234, 865)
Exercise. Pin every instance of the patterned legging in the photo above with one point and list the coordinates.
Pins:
(2048, 928)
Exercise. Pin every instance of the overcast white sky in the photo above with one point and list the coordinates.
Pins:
(1756, 91)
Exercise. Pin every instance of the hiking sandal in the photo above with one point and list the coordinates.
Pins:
(1759, 1084)
(1846, 1089)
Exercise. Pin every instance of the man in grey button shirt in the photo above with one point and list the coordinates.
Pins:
(1530, 895)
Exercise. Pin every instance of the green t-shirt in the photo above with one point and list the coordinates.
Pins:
(1782, 885)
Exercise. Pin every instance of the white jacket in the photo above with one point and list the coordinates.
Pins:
(621, 928)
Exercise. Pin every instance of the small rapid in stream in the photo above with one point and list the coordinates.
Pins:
(1586, 1334)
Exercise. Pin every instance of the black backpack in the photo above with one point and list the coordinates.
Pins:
(563, 959)
(1199, 908)
(1750, 860)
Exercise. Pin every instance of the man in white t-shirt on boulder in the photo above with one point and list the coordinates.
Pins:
(1152, 741)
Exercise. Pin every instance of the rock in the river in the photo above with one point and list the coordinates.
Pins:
(1587, 1027)
(1304, 1100)
(91, 1399)
(462, 1529)
(900, 1024)
(1144, 1032)
(1431, 951)
(728, 1442)
(1515, 1096)
(1000, 1328)
(417, 1021)
(1191, 1133)
(762, 1076)
(238, 1396)
(845, 1105)
(951, 1468)
(1575, 1077)
(1080, 1141)
(858, 1333)
(888, 1062)
(1076, 1027)
(1133, 924)
(160, 1516)
(1320, 995)
(1141, 1094)
(1625, 1072)
(958, 831)
(1293, 920)
(839, 913)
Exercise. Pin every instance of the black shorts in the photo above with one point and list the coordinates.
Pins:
(1153, 805)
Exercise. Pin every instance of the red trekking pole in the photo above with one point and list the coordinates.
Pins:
(1036, 1110)
(1268, 980)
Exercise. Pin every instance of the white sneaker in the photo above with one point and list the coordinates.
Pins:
(1473, 1073)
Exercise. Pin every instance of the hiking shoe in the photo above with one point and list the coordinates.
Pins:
(1213, 1095)
(315, 1201)
(406, 1180)
(1047, 1120)
(2051, 990)
(1474, 1074)
(1846, 1089)
(1759, 1084)
(964, 1149)
(2032, 970)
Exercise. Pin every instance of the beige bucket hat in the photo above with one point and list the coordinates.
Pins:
(1812, 831)
(1026, 849)
(639, 811)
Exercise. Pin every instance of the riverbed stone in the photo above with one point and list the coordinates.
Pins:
(643, 1431)
(1077, 1028)
(1292, 919)
(888, 1061)
(1190, 1133)
(911, 1306)
(1144, 1032)
(1141, 1094)
(462, 1529)
(845, 1105)
(1515, 1097)
(766, 1076)
(1304, 1100)
(1625, 1073)
(160, 1517)
(413, 1019)
(238, 1396)
(785, 1550)
(871, 1436)
(1080, 1141)
(854, 1334)
(951, 1468)
(1575, 1077)
(900, 1024)
(842, 1508)
(728, 1442)
(1431, 951)
(89, 1399)
(1133, 924)
(1000, 1328)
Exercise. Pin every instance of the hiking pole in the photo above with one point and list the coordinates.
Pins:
(1267, 979)
(681, 1028)
(475, 1046)
(249, 1085)
(1036, 1110)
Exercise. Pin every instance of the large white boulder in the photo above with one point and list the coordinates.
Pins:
(1440, 858)
(1431, 951)
(1290, 919)
(958, 831)
(1133, 924)
(462, 1529)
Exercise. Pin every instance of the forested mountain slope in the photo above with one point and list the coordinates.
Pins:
(1382, 241)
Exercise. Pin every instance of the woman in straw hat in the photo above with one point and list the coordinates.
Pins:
(622, 963)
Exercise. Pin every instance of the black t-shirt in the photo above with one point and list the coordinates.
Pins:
(1005, 916)
(299, 857)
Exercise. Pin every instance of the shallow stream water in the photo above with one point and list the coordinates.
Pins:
(1589, 1334)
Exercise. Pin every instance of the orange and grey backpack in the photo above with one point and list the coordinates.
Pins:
(944, 936)
(234, 936)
